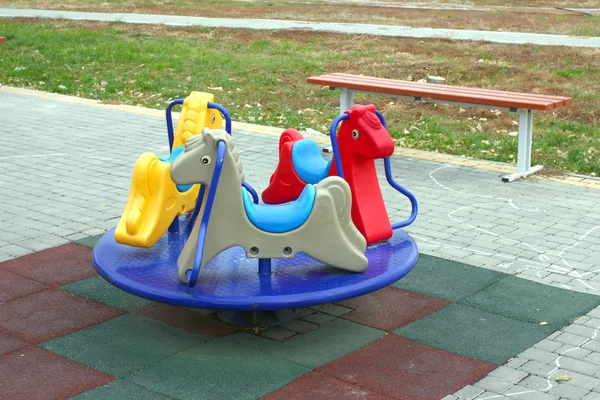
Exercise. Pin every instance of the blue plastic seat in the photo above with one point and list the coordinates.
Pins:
(280, 218)
(308, 163)
(176, 151)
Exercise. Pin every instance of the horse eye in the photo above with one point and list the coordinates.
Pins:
(206, 160)
(355, 133)
(213, 118)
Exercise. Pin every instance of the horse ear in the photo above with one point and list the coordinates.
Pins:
(216, 135)
(207, 132)
(208, 135)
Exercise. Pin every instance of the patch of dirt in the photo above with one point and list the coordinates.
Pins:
(474, 64)
(531, 69)
(504, 20)
(551, 172)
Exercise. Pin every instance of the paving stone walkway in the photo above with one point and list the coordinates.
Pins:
(346, 28)
(463, 313)
(68, 176)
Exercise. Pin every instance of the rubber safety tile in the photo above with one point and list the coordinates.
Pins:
(90, 241)
(51, 313)
(447, 280)
(218, 369)
(123, 345)
(13, 286)
(98, 289)
(531, 301)
(10, 343)
(402, 368)
(391, 308)
(475, 333)
(57, 266)
(36, 373)
(120, 390)
(185, 319)
(330, 341)
(315, 385)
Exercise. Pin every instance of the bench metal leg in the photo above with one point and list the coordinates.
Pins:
(524, 167)
(346, 101)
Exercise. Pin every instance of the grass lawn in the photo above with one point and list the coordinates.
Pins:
(497, 16)
(261, 78)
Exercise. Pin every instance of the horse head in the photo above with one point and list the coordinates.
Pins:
(363, 134)
(197, 162)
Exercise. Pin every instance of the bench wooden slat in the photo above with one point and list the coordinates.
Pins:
(439, 92)
(455, 97)
(399, 87)
(442, 92)
(452, 89)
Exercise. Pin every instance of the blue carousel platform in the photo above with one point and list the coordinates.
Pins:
(232, 282)
(241, 288)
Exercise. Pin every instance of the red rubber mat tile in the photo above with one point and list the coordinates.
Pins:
(190, 321)
(391, 308)
(314, 385)
(36, 374)
(10, 343)
(51, 313)
(13, 286)
(56, 266)
(401, 368)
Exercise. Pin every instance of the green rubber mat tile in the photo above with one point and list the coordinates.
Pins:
(475, 333)
(317, 347)
(530, 301)
(447, 280)
(96, 288)
(89, 241)
(121, 390)
(218, 369)
(123, 345)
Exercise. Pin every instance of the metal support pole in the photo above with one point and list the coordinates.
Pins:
(346, 100)
(525, 133)
(174, 227)
(264, 266)
(524, 167)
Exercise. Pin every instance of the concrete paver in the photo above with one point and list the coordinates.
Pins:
(67, 168)
(78, 177)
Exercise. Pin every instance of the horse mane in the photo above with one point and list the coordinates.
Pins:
(235, 154)
(366, 114)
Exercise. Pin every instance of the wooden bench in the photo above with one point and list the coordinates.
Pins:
(522, 103)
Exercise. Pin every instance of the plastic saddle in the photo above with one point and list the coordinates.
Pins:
(280, 218)
(308, 162)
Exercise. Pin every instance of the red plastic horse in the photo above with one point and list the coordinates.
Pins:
(361, 139)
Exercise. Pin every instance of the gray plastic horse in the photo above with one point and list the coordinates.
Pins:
(318, 223)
